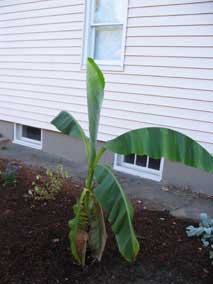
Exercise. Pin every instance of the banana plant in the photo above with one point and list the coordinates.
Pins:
(103, 195)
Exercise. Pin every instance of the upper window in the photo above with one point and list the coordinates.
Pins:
(143, 166)
(106, 31)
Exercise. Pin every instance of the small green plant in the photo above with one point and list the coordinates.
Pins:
(47, 187)
(9, 174)
(204, 231)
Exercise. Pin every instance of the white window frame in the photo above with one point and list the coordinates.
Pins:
(143, 172)
(89, 28)
(21, 140)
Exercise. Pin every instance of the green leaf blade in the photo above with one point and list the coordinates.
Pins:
(111, 196)
(163, 142)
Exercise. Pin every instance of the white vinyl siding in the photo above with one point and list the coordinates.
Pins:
(167, 79)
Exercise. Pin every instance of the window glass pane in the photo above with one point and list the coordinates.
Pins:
(108, 44)
(109, 11)
(129, 159)
(31, 133)
(141, 161)
(154, 164)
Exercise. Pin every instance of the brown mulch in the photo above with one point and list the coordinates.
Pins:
(34, 246)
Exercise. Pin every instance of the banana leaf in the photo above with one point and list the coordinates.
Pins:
(163, 142)
(111, 196)
(95, 95)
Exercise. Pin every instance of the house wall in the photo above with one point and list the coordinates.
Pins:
(174, 174)
(167, 76)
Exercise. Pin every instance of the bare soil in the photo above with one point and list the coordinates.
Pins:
(34, 245)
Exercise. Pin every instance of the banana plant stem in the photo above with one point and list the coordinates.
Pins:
(90, 176)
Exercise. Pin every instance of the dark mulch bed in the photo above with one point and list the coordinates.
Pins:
(34, 246)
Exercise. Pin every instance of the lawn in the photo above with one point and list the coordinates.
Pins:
(34, 243)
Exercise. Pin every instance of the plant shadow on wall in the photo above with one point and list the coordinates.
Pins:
(102, 191)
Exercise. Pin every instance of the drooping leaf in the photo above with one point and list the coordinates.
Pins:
(163, 142)
(78, 235)
(112, 198)
(97, 232)
(68, 125)
(95, 95)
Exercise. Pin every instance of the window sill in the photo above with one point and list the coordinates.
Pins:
(107, 66)
(37, 146)
(141, 174)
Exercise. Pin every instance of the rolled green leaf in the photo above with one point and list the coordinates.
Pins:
(95, 95)
(112, 198)
(163, 142)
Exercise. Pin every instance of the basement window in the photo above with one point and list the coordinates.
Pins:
(28, 136)
(139, 165)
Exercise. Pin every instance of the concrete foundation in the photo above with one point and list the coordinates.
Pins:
(6, 129)
(174, 174)
(188, 178)
(69, 148)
